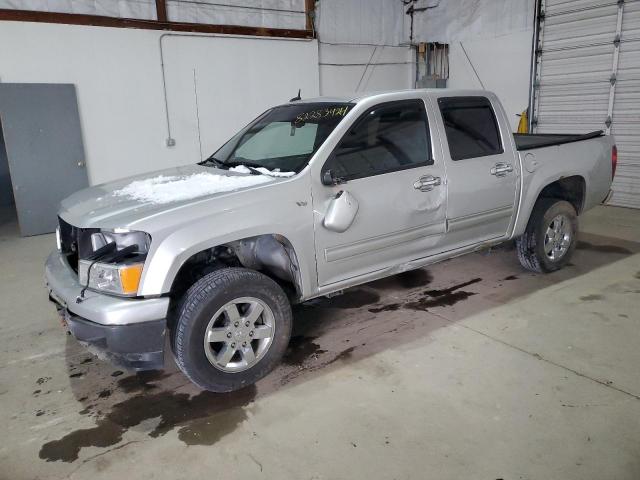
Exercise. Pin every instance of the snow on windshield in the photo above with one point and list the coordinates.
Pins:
(167, 189)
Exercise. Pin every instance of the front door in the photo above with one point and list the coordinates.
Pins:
(41, 129)
(390, 196)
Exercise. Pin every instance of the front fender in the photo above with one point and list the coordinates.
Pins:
(260, 214)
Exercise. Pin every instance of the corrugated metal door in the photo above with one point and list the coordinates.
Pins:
(588, 78)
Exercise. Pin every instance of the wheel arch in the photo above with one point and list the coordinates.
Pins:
(571, 188)
(271, 254)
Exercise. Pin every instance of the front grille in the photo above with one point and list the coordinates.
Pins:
(69, 243)
(75, 242)
(67, 236)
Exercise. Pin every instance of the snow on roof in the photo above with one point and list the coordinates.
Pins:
(167, 189)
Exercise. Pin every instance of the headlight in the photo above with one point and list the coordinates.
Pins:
(122, 279)
(121, 238)
(58, 239)
(111, 271)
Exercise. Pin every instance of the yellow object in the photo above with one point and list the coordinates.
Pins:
(523, 125)
(130, 278)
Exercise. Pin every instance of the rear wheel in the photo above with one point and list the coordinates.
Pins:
(233, 327)
(550, 238)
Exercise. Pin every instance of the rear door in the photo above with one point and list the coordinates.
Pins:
(396, 188)
(482, 170)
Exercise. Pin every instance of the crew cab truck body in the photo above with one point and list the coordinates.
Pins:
(312, 197)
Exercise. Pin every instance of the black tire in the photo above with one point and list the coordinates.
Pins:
(530, 246)
(202, 301)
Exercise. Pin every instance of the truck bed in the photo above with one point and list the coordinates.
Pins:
(529, 141)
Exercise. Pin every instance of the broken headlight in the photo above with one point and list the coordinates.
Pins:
(116, 263)
(121, 238)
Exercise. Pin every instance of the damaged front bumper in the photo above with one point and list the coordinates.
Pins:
(129, 331)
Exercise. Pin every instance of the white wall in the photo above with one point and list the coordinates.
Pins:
(348, 69)
(117, 73)
(502, 65)
(361, 46)
(497, 36)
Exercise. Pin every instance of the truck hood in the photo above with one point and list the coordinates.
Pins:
(123, 202)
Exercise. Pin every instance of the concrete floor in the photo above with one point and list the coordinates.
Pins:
(470, 369)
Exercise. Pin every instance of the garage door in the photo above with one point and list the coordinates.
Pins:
(587, 78)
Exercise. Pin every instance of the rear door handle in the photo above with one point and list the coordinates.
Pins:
(501, 169)
(426, 183)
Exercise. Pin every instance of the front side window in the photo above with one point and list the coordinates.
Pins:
(471, 127)
(389, 137)
(283, 138)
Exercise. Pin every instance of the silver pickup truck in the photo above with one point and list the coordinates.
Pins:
(310, 198)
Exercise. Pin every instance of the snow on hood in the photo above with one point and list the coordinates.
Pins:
(264, 171)
(167, 189)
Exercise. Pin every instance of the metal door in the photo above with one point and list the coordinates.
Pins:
(41, 129)
(587, 77)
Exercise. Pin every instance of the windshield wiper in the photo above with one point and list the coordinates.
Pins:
(246, 163)
(253, 167)
(254, 171)
(215, 161)
(226, 165)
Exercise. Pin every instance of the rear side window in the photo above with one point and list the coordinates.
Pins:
(471, 127)
(389, 137)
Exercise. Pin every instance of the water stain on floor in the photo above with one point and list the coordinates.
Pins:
(443, 298)
(411, 279)
(319, 359)
(433, 298)
(104, 393)
(141, 381)
(582, 245)
(352, 298)
(391, 307)
(201, 419)
(591, 298)
(300, 349)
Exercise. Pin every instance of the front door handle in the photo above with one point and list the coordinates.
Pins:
(426, 183)
(501, 169)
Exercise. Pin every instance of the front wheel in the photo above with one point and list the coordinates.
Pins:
(233, 327)
(550, 237)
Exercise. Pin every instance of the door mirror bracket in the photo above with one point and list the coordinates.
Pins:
(330, 179)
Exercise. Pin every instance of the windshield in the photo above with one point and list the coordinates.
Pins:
(283, 138)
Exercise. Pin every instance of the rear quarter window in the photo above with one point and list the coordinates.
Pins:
(471, 127)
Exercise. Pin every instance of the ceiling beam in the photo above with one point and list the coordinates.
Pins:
(100, 21)
(161, 10)
(310, 12)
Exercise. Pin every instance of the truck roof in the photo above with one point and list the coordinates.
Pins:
(359, 96)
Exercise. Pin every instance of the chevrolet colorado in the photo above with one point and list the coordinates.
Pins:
(310, 198)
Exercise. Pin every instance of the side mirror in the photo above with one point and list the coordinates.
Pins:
(330, 179)
(341, 212)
